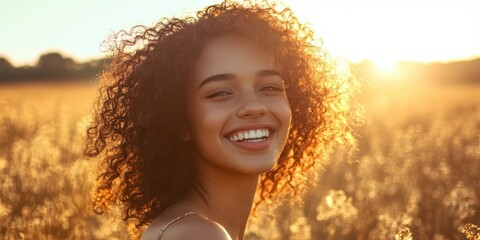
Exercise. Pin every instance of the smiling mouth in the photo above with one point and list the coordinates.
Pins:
(253, 135)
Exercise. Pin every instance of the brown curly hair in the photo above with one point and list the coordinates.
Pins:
(141, 106)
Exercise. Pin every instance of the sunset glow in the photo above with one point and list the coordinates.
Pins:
(385, 65)
(387, 32)
(372, 131)
(381, 31)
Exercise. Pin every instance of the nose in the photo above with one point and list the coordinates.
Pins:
(252, 108)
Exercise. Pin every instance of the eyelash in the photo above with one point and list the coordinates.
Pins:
(222, 92)
(218, 93)
(273, 88)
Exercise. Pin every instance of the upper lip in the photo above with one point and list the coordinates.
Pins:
(250, 126)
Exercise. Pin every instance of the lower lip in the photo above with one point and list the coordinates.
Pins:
(253, 146)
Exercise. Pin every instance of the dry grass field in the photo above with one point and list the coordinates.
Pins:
(417, 175)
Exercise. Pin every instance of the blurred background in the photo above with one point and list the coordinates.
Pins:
(416, 174)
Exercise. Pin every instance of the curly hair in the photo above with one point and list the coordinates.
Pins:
(141, 106)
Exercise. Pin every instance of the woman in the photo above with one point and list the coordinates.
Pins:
(197, 115)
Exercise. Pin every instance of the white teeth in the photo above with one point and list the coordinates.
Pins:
(250, 135)
(259, 133)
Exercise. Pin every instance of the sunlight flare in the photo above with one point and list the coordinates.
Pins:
(385, 65)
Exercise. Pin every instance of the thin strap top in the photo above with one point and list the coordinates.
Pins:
(169, 223)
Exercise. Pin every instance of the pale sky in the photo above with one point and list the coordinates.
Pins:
(384, 31)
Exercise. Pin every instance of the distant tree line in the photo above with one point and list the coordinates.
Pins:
(446, 73)
(51, 67)
(55, 67)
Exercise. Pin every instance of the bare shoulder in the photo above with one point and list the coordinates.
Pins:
(189, 228)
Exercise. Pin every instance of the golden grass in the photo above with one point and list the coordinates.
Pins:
(45, 187)
(417, 175)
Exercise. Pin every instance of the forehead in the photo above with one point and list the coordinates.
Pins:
(232, 54)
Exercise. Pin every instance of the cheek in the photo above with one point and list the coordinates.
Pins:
(206, 120)
(281, 109)
(206, 124)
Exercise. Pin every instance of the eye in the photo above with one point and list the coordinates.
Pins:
(219, 93)
(273, 87)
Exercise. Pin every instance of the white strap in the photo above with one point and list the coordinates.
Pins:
(174, 220)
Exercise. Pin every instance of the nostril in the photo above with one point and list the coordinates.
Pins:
(252, 114)
(254, 110)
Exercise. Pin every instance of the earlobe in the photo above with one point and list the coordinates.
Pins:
(184, 130)
(186, 137)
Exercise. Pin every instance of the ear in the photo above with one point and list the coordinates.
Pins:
(185, 135)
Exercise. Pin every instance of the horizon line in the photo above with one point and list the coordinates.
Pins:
(76, 59)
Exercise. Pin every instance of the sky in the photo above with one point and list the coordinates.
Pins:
(384, 31)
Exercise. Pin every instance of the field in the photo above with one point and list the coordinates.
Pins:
(417, 175)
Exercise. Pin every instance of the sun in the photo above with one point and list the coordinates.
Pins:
(385, 65)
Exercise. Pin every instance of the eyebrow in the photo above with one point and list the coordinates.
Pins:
(218, 77)
(227, 77)
(269, 73)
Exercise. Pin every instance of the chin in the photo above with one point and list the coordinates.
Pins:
(256, 165)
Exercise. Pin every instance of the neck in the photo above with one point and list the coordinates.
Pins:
(226, 198)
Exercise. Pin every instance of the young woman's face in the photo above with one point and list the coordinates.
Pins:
(238, 112)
